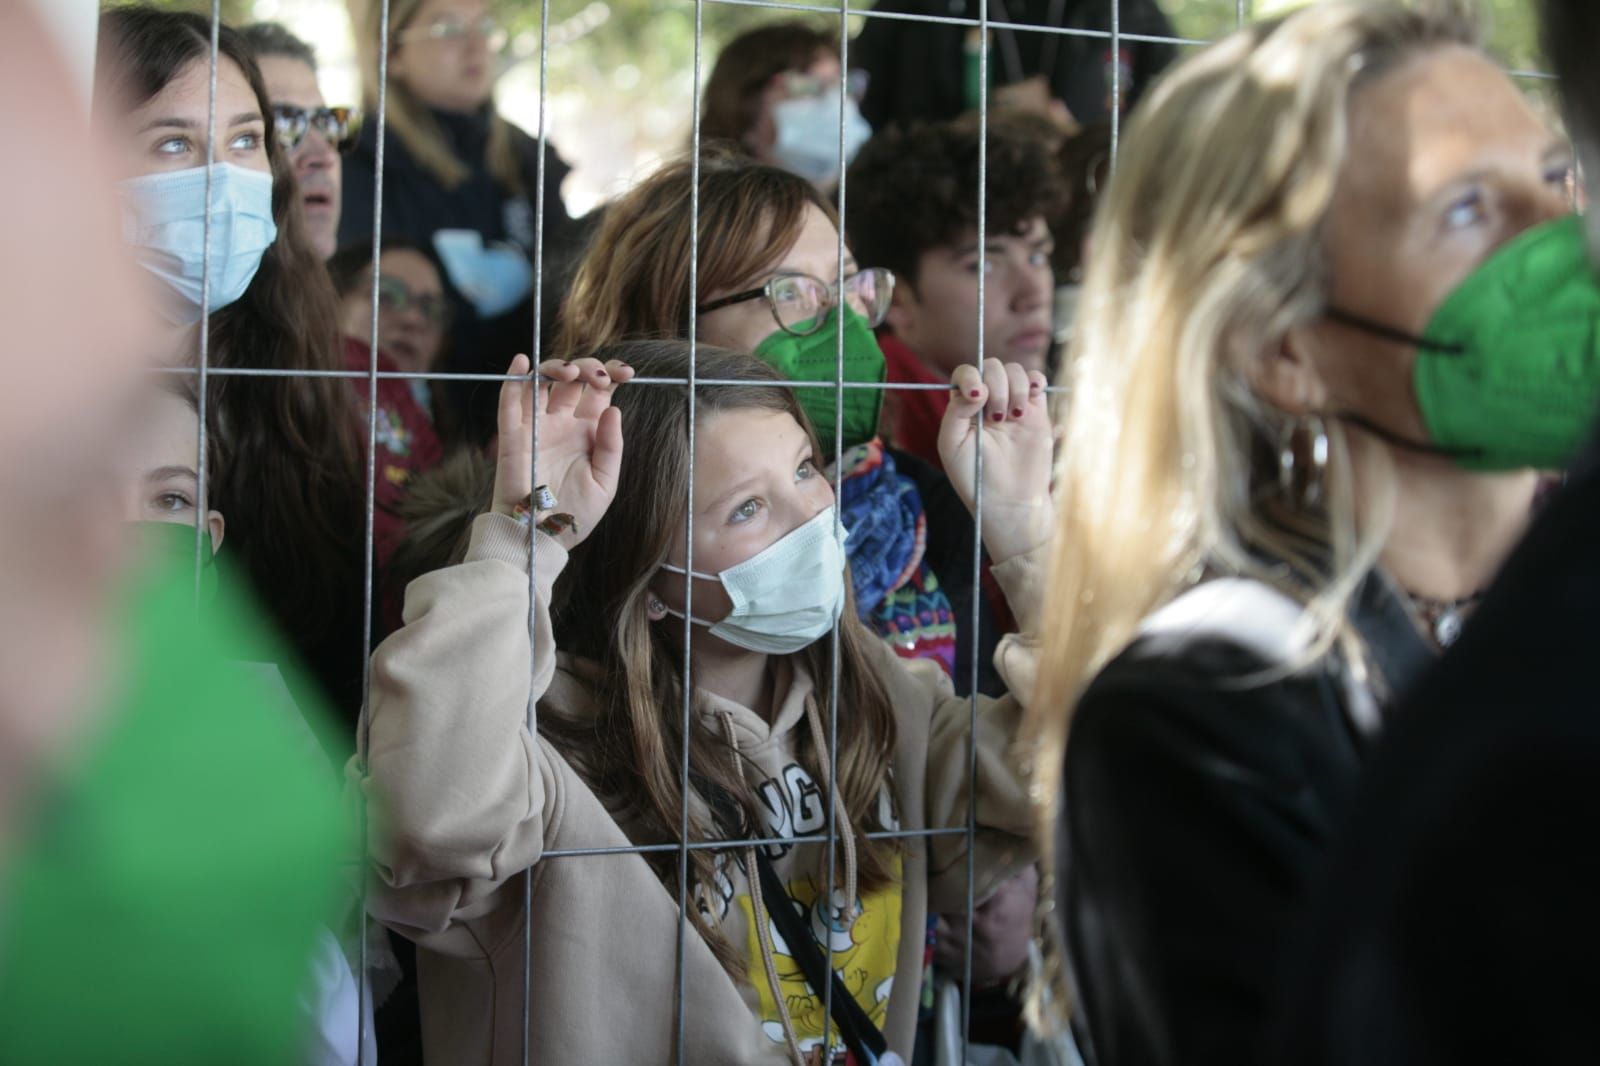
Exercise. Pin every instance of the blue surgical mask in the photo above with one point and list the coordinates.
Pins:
(164, 219)
(785, 597)
(494, 278)
(808, 135)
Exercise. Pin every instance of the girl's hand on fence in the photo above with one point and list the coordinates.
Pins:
(580, 439)
(1006, 406)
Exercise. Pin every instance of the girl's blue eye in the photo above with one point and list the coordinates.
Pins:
(808, 470)
(172, 146)
(1467, 211)
(746, 510)
(246, 142)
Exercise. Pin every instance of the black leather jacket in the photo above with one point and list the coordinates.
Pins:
(1199, 805)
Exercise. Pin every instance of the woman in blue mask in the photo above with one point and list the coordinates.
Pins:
(759, 591)
(460, 180)
(776, 94)
(285, 454)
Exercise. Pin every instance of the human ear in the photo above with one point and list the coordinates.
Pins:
(1287, 376)
(904, 313)
(217, 527)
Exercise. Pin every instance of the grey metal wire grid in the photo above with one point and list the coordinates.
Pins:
(372, 375)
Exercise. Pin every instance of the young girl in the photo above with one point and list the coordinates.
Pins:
(476, 800)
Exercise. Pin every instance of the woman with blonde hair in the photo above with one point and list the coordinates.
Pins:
(458, 179)
(1290, 466)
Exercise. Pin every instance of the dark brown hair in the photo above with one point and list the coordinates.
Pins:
(731, 104)
(285, 450)
(632, 749)
(914, 189)
(634, 280)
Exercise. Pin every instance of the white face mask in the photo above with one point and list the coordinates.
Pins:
(164, 220)
(808, 135)
(785, 597)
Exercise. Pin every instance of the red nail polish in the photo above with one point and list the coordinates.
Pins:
(998, 416)
(975, 393)
(1016, 412)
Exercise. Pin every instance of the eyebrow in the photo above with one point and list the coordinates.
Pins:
(167, 473)
(240, 119)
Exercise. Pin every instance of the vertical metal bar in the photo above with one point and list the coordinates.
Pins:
(838, 525)
(682, 1038)
(1116, 79)
(200, 531)
(364, 738)
(1239, 20)
(533, 561)
(977, 535)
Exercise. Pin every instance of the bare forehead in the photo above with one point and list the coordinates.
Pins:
(412, 267)
(187, 95)
(1442, 114)
(732, 445)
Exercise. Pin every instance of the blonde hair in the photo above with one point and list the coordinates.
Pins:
(1208, 251)
(408, 118)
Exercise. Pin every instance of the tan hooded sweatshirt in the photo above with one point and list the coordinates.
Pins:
(474, 804)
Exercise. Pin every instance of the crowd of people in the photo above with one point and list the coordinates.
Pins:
(451, 631)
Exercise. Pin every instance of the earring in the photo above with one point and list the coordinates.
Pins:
(655, 606)
(1304, 436)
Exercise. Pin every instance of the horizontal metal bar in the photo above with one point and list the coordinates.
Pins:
(957, 20)
(725, 845)
(398, 375)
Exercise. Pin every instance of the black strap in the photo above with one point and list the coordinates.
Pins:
(860, 1035)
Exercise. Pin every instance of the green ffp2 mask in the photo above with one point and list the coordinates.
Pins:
(815, 357)
(1507, 372)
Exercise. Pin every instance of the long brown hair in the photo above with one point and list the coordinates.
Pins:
(285, 452)
(634, 280)
(632, 749)
(408, 118)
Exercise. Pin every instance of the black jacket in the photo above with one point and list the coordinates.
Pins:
(1199, 806)
(1459, 922)
(416, 205)
(918, 70)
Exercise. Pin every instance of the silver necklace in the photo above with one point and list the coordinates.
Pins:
(1444, 618)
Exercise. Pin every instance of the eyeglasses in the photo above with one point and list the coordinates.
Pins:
(800, 84)
(447, 29)
(800, 303)
(340, 126)
(394, 296)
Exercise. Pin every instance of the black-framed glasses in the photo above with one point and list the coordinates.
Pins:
(800, 303)
(393, 295)
(448, 29)
(340, 126)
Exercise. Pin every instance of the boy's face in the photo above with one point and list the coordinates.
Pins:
(938, 316)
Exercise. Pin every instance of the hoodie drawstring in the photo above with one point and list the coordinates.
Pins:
(847, 834)
(758, 911)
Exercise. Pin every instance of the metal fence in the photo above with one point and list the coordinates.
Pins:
(844, 12)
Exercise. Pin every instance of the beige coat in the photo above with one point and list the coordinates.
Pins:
(473, 801)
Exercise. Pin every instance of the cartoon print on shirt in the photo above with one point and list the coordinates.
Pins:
(864, 956)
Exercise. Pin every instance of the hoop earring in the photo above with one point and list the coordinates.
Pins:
(1302, 483)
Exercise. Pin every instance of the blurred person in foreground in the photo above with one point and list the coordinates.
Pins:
(1458, 921)
(166, 855)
